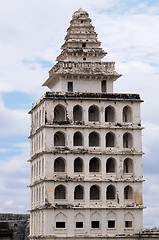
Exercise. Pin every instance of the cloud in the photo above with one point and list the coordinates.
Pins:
(13, 121)
(14, 178)
(151, 212)
(3, 150)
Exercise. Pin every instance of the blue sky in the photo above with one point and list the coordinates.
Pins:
(32, 33)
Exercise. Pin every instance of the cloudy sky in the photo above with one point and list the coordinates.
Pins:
(32, 33)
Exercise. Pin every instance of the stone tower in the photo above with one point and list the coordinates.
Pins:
(86, 150)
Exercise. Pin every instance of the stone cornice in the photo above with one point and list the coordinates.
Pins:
(66, 150)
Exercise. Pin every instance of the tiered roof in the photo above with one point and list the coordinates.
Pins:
(81, 53)
(81, 39)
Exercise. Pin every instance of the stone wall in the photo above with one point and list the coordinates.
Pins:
(14, 226)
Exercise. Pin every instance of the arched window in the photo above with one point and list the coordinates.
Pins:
(60, 220)
(60, 192)
(127, 114)
(111, 220)
(93, 113)
(127, 140)
(79, 220)
(110, 140)
(59, 165)
(78, 165)
(78, 192)
(78, 139)
(93, 139)
(129, 220)
(128, 192)
(111, 165)
(94, 165)
(128, 165)
(59, 139)
(95, 220)
(59, 113)
(94, 193)
(111, 192)
(109, 114)
(77, 113)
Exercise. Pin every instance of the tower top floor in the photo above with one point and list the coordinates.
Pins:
(79, 67)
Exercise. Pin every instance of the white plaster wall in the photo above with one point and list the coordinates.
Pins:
(49, 105)
(87, 231)
(101, 178)
(82, 85)
(69, 132)
(102, 202)
(102, 104)
(69, 165)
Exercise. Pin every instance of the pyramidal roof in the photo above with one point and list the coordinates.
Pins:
(81, 40)
(81, 53)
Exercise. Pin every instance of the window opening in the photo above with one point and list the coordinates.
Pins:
(94, 224)
(81, 21)
(110, 192)
(128, 165)
(70, 86)
(111, 223)
(83, 44)
(60, 192)
(127, 114)
(128, 224)
(93, 114)
(78, 166)
(94, 193)
(59, 139)
(94, 165)
(79, 224)
(78, 193)
(59, 165)
(59, 114)
(77, 113)
(77, 139)
(110, 142)
(93, 139)
(110, 165)
(128, 192)
(127, 140)
(84, 59)
(109, 114)
(60, 224)
(103, 85)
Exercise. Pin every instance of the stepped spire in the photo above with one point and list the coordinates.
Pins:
(81, 58)
(81, 42)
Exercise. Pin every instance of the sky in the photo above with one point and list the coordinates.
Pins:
(32, 33)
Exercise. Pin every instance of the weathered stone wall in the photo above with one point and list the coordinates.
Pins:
(14, 226)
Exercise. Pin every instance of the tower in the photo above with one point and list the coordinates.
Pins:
(86, 150)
